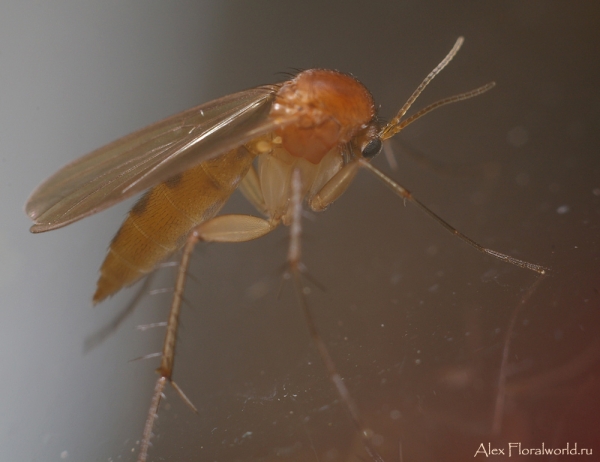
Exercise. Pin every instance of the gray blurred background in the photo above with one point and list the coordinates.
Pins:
(415, 319)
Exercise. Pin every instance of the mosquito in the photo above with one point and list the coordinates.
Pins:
(282, 145)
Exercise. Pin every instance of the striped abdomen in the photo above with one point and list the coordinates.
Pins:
(160, 221)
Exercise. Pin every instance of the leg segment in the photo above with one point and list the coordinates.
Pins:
(295, 265)
(407, 196)
(224, 228)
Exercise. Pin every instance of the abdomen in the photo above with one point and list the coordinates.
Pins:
(160, 221)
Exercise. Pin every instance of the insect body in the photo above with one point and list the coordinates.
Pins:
(321, 126)
(314, 131)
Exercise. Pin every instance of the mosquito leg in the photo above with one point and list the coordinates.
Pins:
(165, 370)
(152, 415)
(224, 228)
(168, 356)
(406, 195)
(296, 268)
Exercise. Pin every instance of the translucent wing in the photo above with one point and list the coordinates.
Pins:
(149, 156)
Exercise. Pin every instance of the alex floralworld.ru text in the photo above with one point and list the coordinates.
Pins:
(518, 449)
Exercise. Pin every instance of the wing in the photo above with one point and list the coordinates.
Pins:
(150, 156)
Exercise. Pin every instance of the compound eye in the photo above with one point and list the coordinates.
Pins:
(372, 148)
